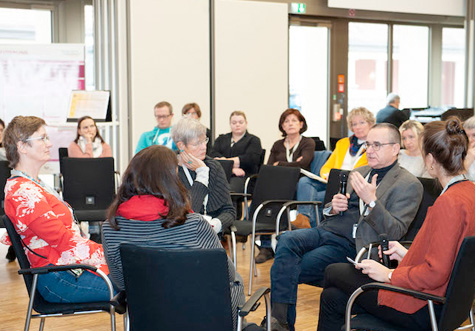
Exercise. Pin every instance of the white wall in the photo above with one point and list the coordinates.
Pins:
(251, 65)
(169, 59)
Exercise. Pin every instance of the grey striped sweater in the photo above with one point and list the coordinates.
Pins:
(194, 234)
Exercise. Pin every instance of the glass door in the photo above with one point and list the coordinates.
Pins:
(308, 77)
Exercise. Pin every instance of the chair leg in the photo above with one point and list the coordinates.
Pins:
(253, 245)
(433, 321)
(239, 323)
(233, 244)
(30, 304)
(112, 314)
(126, 320)
(268, 311)
(42, 323)
(472, 321)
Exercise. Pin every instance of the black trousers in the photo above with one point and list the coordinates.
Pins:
(341, 280)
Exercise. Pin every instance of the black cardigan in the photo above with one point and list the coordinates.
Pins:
(248, 149)
(219, 200)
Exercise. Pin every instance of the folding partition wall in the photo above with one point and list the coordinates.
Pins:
(169, 52)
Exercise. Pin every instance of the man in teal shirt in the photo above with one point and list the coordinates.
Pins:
(161, 134)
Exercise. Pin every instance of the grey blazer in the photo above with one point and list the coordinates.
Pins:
(398, 198)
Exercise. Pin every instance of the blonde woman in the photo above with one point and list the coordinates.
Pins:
(410, 157)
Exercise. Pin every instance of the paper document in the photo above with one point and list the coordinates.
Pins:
(313, 176)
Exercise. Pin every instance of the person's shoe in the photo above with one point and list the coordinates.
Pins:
(11, 256)
(264, 255)
(302, 222)
(276, 325)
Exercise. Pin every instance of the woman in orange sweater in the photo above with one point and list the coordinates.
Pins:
(427, 265)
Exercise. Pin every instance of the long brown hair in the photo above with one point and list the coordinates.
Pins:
(153, 171)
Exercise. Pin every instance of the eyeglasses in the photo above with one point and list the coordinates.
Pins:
(199, 143)
(376, 146)
(44, 138)
(162, 117)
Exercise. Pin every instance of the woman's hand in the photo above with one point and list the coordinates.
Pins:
(276, 163)
(374, 270)
(300, 158)
(89, 137)
(396, 251)
(190, 161)
(238, 172)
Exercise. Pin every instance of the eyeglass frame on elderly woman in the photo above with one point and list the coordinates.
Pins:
(201, 142)
(45, 138)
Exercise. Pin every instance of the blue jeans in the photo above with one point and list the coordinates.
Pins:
(66, 288)
(310, 190)
(301, 257)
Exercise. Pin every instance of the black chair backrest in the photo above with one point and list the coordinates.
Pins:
(274, 183)
(88, 183)
(4, 175)
(18, 248)
(62, 152)
(333, 142)
(333, 186)
(461, 288)
(227, 167)
(432, 190)
(319, 144)
(261, 159)
(180, 289)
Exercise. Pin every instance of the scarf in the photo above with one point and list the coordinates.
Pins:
(143, 208)
(354, 146)
(96, 146)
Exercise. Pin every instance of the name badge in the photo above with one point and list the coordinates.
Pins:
(355, 226)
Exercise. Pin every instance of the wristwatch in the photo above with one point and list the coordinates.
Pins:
(372, 204)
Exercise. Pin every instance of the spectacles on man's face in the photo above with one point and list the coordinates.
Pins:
(376, 145)
(201, 142)
(162, 117)
(45, 138)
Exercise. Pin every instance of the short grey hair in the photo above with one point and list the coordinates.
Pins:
(187, 129)
(392, 97)
(469, 123)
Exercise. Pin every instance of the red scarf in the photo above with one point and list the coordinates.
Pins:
(143, 208)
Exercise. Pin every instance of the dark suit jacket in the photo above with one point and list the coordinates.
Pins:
(398, 197)
(248, 149)
(390, 114)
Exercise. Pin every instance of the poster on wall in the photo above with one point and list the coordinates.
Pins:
(38, 80)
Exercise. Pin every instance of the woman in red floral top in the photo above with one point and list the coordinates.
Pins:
(45, 222)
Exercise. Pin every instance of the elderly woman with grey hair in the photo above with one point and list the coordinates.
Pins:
(469, 127)
(203, 176)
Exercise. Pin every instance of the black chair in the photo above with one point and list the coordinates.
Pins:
(88, 186)
(456, 305)
(227, 167)
(181, 289)
(62, 152)
(5, 173)
(38, 303)
(333, 185)
(273, 196)
(319, 144)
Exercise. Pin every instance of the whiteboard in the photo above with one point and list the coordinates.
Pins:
(38, 80)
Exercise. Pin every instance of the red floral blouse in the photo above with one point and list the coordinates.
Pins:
(47, 227)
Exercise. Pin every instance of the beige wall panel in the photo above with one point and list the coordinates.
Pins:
(251, 65)
(169, 59)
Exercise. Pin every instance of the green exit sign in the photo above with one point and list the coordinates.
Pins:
(297, 8)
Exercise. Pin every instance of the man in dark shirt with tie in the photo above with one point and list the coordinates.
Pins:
(391, 113)
(382, 198)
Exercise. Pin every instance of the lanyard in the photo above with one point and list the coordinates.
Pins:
(190, 180)
(289, 154)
